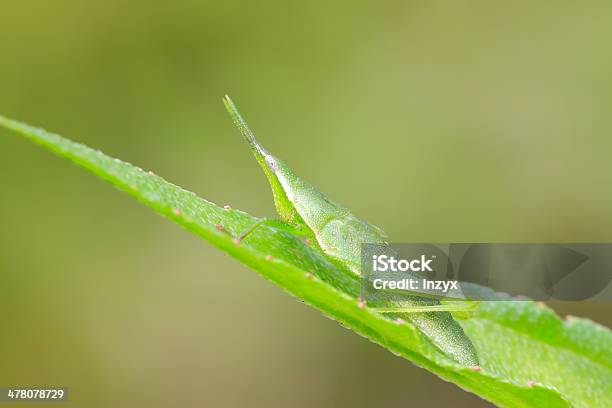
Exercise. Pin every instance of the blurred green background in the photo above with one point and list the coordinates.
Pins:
(436, 120)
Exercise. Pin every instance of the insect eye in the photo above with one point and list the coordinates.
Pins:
(271, 162)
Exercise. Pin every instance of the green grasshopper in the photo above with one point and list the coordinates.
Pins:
(339, 235)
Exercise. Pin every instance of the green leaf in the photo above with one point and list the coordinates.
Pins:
(529, 356)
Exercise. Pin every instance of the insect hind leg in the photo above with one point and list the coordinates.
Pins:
(451, 306)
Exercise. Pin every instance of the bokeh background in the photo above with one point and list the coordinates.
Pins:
(437, 120)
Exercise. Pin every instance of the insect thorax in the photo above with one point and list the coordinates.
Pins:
(341, 238)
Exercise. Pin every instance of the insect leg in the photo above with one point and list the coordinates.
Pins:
(252, 228)
(279, 225)
(452, 306)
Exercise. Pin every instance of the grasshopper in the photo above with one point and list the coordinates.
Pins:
(339, 235)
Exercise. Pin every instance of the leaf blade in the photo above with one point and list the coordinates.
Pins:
(335, 293)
